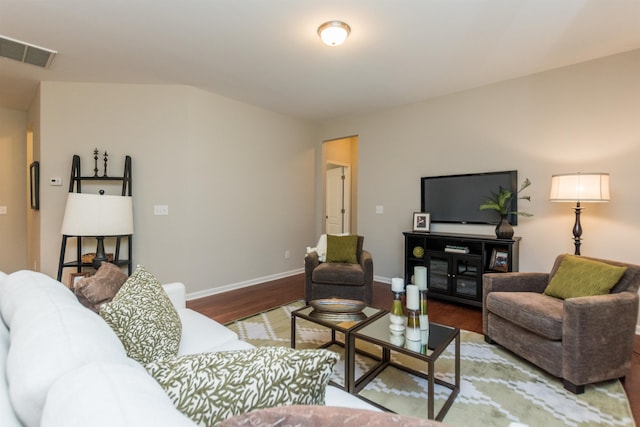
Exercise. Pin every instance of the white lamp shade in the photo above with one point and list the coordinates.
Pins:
(97, 215)
(334, 33)
(580, 187)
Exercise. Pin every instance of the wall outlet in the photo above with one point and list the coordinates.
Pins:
(379, 209)
(161, 209)
(3, 210)
(287, 254)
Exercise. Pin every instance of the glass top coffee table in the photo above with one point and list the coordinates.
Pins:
(377, 332)
(344, 324)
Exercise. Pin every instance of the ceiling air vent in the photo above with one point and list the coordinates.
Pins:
(25, 52)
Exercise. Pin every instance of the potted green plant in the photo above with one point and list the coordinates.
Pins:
(501, 203)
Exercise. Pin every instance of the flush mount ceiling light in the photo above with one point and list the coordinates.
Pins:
(333, 33)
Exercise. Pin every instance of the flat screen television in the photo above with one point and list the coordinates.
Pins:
(456, 198)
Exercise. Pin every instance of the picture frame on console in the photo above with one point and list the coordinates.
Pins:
(499, 260)
(421, 221)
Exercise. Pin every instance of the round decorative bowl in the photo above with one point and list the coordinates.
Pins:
(337, 309)
(337, 317)
(337, 305)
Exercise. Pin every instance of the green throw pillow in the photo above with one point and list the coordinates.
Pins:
(143, 317)
(342, 249)
(580, 277)
(211, 387)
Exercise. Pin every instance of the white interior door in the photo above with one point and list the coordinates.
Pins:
(338, 196)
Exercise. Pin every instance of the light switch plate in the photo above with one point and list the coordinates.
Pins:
(161, 209)
(3, 210)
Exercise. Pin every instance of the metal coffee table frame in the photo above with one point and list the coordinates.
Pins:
(343, 326)
(440, 336)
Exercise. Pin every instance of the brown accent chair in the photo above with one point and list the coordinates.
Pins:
(339, 279)
(582, 340)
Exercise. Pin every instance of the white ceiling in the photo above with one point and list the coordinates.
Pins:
(267, 52)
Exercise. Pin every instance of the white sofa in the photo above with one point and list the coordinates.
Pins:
(64, 366)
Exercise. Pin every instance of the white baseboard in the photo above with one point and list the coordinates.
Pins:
(252, 282)
(382, 279)
(240, 285)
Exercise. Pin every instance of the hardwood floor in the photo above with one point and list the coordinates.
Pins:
(234, 305)
(246, 302)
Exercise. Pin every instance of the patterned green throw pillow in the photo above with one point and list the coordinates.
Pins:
(342, 249)
(143, 317)
(211, 387)
(580, 277)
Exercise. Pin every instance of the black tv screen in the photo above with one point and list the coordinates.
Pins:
(456, 198)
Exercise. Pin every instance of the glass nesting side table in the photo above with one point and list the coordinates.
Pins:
(377, 332)
(344, 324)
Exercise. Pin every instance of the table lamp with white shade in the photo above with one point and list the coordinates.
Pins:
(98, 216)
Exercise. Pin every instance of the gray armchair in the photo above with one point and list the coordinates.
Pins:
(339, 279)
(582, 340)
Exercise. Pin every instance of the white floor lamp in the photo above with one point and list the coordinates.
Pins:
(579, 187)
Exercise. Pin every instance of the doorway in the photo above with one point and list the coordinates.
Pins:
(33, 216)
(340, 166)
(338, 199)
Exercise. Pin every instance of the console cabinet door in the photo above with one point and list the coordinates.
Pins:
(456, 275)
(467, 277)
(438, 272)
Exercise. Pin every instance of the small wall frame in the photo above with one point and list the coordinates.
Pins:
(421, 221)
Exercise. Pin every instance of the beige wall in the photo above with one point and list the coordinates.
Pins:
(579, 118)
(236, 179)
(244, 184)
(13, 190)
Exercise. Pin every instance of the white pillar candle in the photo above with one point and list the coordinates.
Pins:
(420, 274)
(413, 297)
(397, 284)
